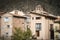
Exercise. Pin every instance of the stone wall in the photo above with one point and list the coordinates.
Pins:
(18, 22)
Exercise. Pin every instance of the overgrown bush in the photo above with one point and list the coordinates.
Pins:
(27, 34)
(20, 35)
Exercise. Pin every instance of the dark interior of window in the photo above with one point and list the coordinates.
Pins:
(51, 26)
(38, 17)
(8, 26)
(32, 18)
(6, 33)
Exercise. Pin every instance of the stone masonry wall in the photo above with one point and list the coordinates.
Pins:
(18, 22)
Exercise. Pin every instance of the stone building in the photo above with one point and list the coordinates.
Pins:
(8, 21)
(42, 24)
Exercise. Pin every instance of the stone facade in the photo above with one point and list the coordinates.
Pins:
(15, 20)
(19, 22)
(5, 30)
(45, 21)
(8, 22)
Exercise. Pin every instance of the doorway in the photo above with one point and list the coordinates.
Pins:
(51, 32)
(37, 33)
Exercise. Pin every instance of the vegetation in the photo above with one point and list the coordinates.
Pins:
(51, 6)
(20, 35)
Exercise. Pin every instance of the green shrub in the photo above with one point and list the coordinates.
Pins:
(20, 35)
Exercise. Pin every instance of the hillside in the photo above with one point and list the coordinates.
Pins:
(28, 5)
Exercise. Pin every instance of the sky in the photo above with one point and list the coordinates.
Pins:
(28, 5)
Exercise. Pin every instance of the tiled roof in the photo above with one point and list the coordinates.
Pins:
(2, 13)
(18, 15)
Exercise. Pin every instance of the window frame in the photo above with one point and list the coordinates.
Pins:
(8, 26)
(38, 26)
(32, 18)
(6, 19)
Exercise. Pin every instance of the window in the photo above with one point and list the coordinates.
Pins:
(51, 26)
(38, 18)
(38, 26)
(28, 20)
(8, 26)
(6, 33)
(6, 19)
(22, 23)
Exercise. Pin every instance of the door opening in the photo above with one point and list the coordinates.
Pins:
(37, 33)
(51, 32)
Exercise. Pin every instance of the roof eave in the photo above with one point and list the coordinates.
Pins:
(19, 16)
(53, 17)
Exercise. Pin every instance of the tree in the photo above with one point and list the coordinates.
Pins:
(27, 34)
(20, 35)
